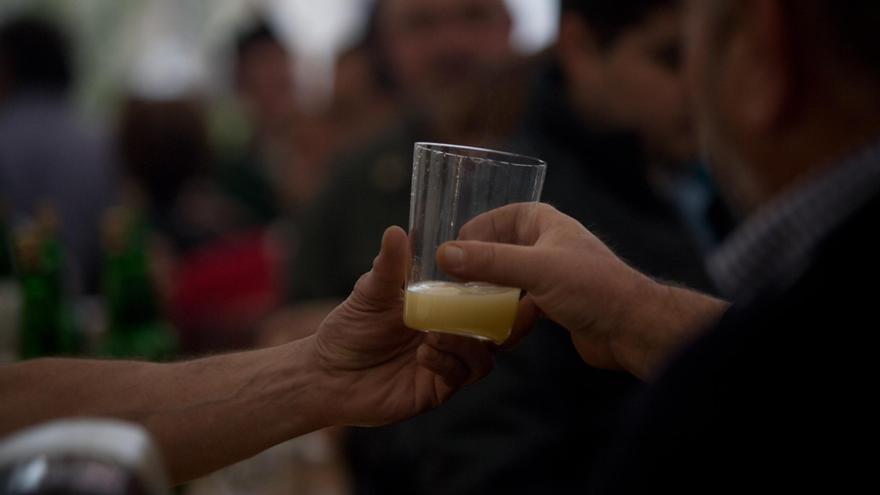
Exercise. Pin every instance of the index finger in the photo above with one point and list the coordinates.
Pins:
(520, 223)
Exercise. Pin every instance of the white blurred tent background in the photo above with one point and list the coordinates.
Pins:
(159, 48)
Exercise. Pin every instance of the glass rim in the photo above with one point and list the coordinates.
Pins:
(507, 157)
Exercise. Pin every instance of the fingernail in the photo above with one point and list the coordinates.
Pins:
(454, 257)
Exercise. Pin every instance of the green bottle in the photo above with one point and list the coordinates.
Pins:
(136, 327)
(47, 328)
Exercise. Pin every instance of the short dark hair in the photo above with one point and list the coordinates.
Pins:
(163, 145)
(256, 34)
(610, 18)
(34, 54)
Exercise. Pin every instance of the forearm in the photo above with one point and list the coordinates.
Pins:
(204, 414)
(665, 319)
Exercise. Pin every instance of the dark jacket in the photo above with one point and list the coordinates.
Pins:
(776, 397)
(342, 230)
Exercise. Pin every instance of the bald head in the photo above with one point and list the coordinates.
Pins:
(781, 88)
(847, 27)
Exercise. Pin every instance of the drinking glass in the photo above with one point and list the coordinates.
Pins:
(450, 186)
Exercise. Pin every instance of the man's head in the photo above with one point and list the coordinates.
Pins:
(621, 62)
(33, 55)
(781, 87)
(435, 47)
(264, 76)
(163, 145)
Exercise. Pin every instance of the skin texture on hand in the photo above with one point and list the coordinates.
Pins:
(377, 370)
(618, 318)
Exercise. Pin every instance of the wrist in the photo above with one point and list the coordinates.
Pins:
(307, 398)
(641, 304)
(663, 318)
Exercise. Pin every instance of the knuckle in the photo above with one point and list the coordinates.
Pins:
(362, 283)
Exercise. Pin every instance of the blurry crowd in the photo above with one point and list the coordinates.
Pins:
(236, 242)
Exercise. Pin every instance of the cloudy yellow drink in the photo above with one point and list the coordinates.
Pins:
(478, 310)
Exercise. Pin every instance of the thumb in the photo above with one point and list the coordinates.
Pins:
(383, 284)
(502, 264)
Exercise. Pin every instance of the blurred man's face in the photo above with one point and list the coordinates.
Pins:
(636, 83)
(714, 97)
(265, 83)
(435, 46)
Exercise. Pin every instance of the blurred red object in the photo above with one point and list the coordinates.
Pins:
(223, 290)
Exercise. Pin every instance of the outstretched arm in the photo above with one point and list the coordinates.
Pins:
(363, 366)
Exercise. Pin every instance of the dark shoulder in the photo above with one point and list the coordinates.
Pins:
(394, 144)
(369, 171)
(825, 309)
(782, 381)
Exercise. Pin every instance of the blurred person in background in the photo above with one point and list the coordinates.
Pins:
(440, 57)
(215, 269)
(363, 103)
(166, 159)
(265, 90)
(223, 289)
(363, 97)
(49, 157)
(629, 126)
(451, 70)
(609, 113)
